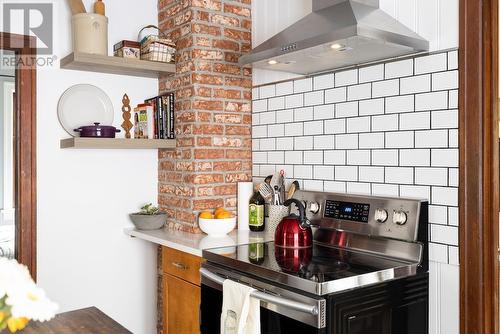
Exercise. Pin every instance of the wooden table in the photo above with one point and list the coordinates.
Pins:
(85, 321)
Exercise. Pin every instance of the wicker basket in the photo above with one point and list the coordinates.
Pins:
(155, 48)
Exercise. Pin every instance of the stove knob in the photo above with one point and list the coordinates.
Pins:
(399, 217)
(381, 215)
(314, 207)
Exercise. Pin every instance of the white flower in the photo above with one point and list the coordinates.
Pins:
(26, 299)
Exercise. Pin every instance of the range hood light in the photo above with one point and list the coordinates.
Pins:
(273, 62)
(336, 46)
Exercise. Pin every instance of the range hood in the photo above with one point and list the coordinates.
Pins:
(338, 33)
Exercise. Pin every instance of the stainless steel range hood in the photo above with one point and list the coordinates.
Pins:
(338, 33)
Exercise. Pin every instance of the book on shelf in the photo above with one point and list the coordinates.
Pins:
(144, 127)
(163, 115)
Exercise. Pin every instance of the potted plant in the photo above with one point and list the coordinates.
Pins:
(149, 218)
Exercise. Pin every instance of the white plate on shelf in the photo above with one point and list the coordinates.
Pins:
(82, 105)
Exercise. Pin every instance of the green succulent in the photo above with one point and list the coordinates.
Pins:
(149, 209)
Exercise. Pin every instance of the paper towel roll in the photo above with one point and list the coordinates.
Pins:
(245, 192)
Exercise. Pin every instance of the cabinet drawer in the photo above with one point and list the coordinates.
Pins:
(182, 265)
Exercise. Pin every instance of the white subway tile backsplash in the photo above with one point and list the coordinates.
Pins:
(400, 139)
(314, 98)
(324, 172)
(417, 84)
(445, 80)
(259, 105)
(371, 140)
(431, 101)
(345, 78)
(325, 142)
(397, 69)
(371, 73)
(445, 157)
(303, 143)
(444, 234)
(324, 81)
(276, 103)
(382, 189)
(284, 144)
(283, 116)
(358, 188)
(334, 157)
(336, 95)
(445, 196)
(385, 123)
(431, 176)
(313, 128)
(349, 141)
(334, 126)
(399, 104)
(294, 157)
(294, 101)
(371, 107)
(346, 173)
(347, 109)
(415, 121)
(431, 138)
(444, 119)
(400, 175)
(294, 129)
(453, 256)
(302, 172)
(358, 124)
(326, 111)
(284, 88)
(267, 91)
(385, 157)
(313, 157)
(303, 114)
(358, 157)
(431, 63)
(415, 157)
(371, 174)
(359, 92)
(385, 88)
(335, 186)
(379, 129)
(302, 85)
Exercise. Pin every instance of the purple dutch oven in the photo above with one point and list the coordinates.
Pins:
(97, 131)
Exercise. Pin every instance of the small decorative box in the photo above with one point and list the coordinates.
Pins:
(127, 49)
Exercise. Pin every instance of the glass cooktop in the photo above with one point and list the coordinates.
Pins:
(319, 269)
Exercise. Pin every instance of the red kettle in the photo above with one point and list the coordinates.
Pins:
(294, 231)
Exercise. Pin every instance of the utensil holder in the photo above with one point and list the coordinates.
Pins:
(276, 214)
(90, 33)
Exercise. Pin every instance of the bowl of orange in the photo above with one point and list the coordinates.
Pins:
(217, 223)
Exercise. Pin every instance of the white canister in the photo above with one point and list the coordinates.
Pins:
(90, 33)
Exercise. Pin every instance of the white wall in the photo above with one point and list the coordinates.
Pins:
(436, 20)
(84, 258)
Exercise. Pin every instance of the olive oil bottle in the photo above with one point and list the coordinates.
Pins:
(256, 212)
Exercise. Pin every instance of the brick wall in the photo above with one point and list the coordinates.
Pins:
(213, 107)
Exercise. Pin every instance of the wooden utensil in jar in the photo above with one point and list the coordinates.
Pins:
(77, 7)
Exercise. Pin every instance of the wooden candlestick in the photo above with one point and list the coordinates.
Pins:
(126, 114)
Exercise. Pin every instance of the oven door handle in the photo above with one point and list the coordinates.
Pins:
(291, 304)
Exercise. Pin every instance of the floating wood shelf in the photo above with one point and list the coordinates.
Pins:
(116, 65)
(117, 143)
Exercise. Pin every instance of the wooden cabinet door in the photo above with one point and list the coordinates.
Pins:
(181, 306)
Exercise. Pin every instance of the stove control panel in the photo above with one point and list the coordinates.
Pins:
(392, 217)
(357, 212)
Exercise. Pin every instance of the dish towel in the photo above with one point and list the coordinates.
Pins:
(240, 311)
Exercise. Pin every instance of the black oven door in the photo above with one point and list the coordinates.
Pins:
(282, 311)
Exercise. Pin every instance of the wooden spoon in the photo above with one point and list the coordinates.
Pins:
(76, 6)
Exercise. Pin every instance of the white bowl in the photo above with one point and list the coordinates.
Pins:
(217, 227)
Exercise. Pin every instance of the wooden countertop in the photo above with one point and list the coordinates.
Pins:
(85, 321)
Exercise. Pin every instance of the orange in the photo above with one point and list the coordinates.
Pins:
(219, 210)
(223, 215)
(206, 215)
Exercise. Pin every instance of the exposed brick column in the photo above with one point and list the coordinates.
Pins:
(213, 107)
